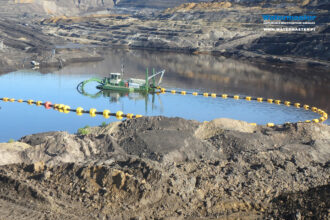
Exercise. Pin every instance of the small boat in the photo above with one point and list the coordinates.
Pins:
(116, 82)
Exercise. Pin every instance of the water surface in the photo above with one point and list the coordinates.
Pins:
(200, 73)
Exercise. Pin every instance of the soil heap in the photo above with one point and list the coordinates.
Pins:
(158, 167)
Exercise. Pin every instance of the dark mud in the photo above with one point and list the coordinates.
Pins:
(161, 167)
(166, 167)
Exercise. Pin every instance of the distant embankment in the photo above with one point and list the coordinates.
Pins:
(53, 7)
(76, 7)
(158, 4)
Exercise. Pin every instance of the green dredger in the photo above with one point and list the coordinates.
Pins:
(116, 83)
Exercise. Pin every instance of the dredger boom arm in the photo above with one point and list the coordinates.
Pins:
(161, 76)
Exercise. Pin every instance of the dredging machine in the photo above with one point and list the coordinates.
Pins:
(115, 82)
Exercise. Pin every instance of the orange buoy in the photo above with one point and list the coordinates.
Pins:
(48, 105)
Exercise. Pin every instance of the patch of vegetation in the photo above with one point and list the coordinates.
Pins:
(83, 131)
(104, 124)
(11, 140)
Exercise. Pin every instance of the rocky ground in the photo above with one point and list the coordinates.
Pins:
(220, 28)
(21, 43)
(157, 167)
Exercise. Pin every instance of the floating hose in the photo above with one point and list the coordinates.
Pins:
(79, 111)
(119, 114)
(323, 114)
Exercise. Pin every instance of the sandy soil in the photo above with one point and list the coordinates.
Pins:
(157, 167)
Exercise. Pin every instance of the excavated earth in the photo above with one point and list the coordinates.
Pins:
(157, 167)
(169, 168)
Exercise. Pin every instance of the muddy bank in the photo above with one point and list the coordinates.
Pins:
(218, 28)
(157, 167)
(21, 43)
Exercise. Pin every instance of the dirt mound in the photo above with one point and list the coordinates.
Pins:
(52, 7)
(69, 191)
(205, 6)
(137, 168)
(313, 203)
(78, 19)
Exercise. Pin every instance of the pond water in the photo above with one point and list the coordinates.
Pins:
(200, 73)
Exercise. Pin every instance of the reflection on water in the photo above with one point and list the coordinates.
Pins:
(119, 96)
(217, 74)
(190, 72)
